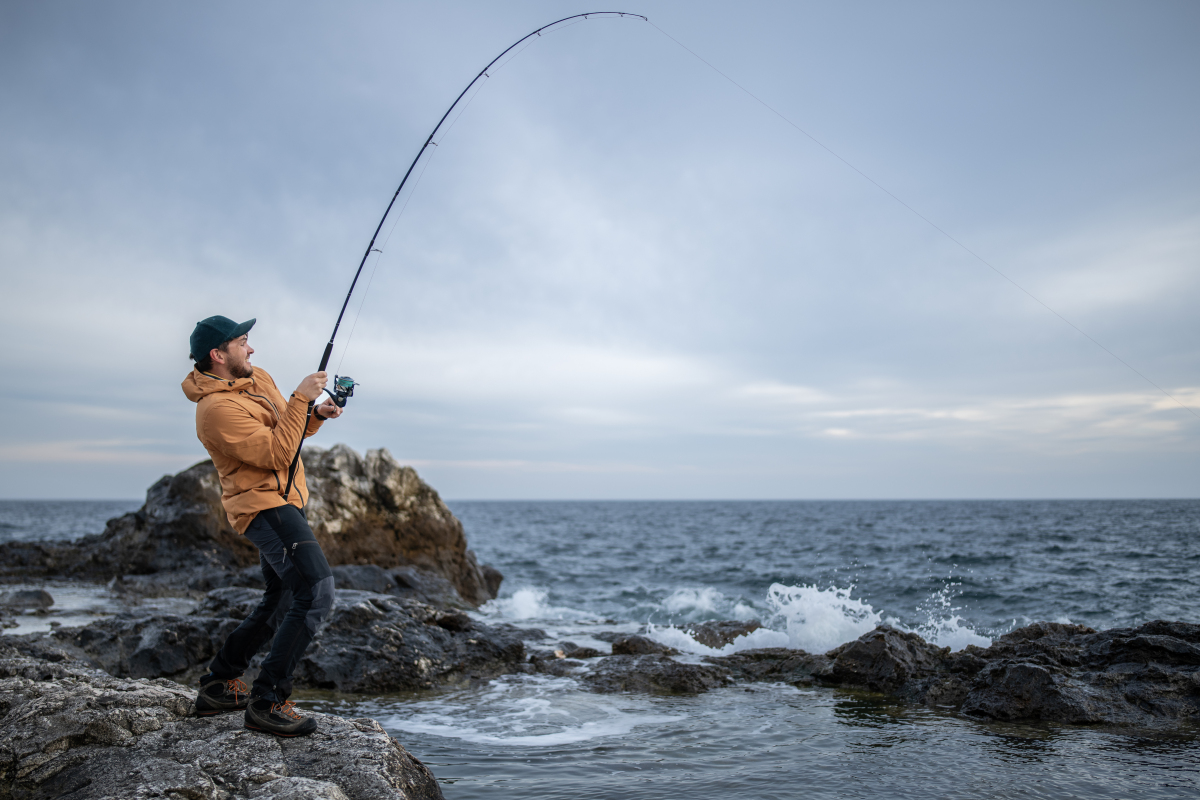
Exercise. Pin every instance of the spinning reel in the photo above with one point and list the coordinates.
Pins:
(343, 390)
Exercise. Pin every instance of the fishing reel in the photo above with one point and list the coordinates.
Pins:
(343, 390)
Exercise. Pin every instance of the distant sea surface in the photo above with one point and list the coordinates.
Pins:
(816, 574)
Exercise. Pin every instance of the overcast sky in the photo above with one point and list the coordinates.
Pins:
(619, 275)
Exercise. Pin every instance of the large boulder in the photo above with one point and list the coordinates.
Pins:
(70, 731)
(365, 511)
(373, 511)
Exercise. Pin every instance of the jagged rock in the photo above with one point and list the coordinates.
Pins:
(719, 633)
(885, 659)
(776, 664)
(144, 645)
(68, 730)
(23, 599)
(639, 646)
(371, 643)
(1070, 673)
(365, 511)
(379, 643)
(373, 511)
(572, 650)
(654, 674)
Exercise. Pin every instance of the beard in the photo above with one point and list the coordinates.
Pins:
(240, 369)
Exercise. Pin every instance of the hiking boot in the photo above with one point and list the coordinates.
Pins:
(217, 695)
(281, 719)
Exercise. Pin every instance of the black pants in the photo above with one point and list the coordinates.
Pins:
(292, 562)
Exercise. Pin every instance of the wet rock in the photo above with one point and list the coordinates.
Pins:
(885, 659)
(26, 599)
(572, 650)
(363, 577)
(366, 511)
(719, 633)
(143, 645)
(654, 674)
(1070, 673)
(379, 643)
(776, 664)
(68, 730)
(639, 646)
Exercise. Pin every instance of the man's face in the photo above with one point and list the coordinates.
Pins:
(237, 357)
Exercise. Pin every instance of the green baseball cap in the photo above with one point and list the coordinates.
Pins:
(213, 332)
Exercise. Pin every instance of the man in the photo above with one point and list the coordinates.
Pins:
(252, 434)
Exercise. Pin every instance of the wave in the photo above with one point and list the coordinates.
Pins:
(817, 620)
(800, 617)
(524, 711)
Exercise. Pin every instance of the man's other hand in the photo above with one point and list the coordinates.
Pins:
(329, 409)
(310, 388)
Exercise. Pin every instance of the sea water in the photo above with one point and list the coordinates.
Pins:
(816, 574)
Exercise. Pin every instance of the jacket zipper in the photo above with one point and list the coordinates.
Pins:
(278, 483)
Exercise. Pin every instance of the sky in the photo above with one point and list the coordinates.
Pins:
(619, 275)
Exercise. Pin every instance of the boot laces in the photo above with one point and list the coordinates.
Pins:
(287, 709)
(237, 687)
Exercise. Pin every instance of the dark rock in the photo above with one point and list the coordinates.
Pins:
(776, 664)
(68, 730)
(885, 659)
(365, 511)
(144, 646)
(719, 633)
(379, 643)
(363, 577)
(639, 646)
(492, 579)
(23, 599)
(654, 674)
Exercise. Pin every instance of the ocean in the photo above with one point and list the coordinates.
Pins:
(816, 574)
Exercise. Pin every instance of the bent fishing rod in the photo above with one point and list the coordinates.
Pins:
(343, 387)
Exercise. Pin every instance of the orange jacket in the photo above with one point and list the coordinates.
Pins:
(252, 435)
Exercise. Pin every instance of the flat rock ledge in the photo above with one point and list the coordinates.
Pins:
(67, 730)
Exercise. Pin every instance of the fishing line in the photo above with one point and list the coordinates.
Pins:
(924, 218)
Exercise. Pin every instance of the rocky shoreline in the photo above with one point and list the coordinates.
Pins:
(115, 693)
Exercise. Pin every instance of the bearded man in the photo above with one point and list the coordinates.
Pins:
(252, 434)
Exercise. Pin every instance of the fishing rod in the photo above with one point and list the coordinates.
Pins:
(344, 386)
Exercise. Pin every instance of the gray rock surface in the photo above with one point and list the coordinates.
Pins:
(653, 674)
(1144, 676)
(365, 510)
(371, 643)
(639, 646)
(26, 599)
(719, 633)
(70, 731)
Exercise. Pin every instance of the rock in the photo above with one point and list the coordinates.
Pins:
(777, 664)
(371, 510)
(572, 650)
(720, 633)
(1070, 673)
(73, 731)
(367, 512)
(363, 577)
(654, 674)
(24, 599)
(885, 659)
(371, 643)
(639, 646)
(379, 643)
(144, 645)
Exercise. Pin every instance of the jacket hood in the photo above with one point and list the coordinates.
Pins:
(197, 385)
